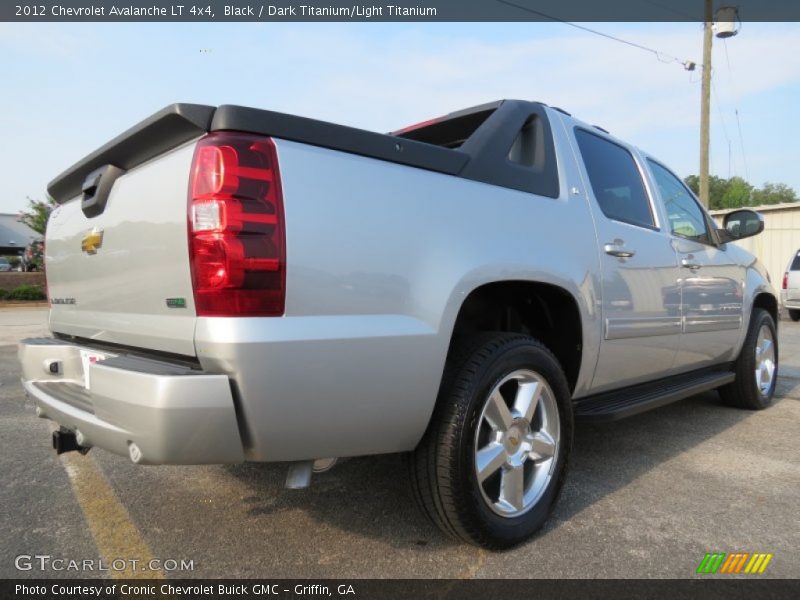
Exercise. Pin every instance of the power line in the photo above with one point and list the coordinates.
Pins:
(661, 56)
(741, 142)
(727, 56)
(736, 108)
(715, 95)
(658, 54)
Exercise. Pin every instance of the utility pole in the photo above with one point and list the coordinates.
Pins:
(705, 103)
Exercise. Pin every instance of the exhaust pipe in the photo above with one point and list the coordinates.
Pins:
(299, 475)
(65, 440)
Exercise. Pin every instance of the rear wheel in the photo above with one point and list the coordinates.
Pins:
(492, 462)
(757, 366)
(794, 315)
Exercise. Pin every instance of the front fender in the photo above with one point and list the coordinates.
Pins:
(756, 283)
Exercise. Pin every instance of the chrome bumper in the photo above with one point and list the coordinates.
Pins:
(151, 411)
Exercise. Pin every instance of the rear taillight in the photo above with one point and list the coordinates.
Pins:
(785, 284)
(236, 229)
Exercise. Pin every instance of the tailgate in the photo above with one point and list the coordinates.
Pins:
(793, 288)
(123, 275)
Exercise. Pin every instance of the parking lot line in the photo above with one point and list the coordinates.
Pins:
(115, 534)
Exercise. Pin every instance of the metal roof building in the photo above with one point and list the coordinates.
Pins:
(779, 241)
(14, 236)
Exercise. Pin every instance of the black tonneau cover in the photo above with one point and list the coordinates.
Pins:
(483, 156)
(162, 131)
(339, 137)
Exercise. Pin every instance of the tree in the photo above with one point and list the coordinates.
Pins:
(737, 194)
(37, 214)
(774, 193)
(717, 187)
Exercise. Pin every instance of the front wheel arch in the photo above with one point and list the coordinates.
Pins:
(767, 302)
(744, 391)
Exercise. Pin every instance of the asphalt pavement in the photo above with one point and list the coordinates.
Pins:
(645, 497)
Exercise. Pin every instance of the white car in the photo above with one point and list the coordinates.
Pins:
(790, 289)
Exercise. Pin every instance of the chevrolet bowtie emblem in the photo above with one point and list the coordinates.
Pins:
(92, 241)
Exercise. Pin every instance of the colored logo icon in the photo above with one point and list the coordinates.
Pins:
(735, 562)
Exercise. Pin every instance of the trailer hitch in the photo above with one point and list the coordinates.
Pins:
(65, 440)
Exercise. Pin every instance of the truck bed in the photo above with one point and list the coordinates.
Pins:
(480, 131)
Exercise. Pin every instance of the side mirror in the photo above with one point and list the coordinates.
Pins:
(741, 224)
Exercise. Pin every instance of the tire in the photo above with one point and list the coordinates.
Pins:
(748, 391)
(444, 466)
(794, 315)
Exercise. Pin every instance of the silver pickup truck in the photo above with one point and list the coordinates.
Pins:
(230, 284)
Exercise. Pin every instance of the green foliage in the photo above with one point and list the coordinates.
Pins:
(37, 214)
(33, 260)
(693, 181)
(736, 192)
(774, 193)
(14, 261)
(3, 294)
(26, 292)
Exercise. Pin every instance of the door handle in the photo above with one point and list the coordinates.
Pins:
(687, 262)
(618, 250)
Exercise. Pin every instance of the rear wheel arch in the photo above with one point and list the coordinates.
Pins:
(545, 311)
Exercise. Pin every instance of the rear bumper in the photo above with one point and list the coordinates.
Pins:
(787, 303)
(150, 411)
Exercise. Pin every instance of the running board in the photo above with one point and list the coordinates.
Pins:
(618, 404)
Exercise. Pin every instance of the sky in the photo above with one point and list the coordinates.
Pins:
(68, 88)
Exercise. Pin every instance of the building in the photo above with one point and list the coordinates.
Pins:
(779, 241)
(14, 236)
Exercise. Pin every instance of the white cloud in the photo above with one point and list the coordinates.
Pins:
(382, 77)
(416, 75)
(47, 40)
(646, 99)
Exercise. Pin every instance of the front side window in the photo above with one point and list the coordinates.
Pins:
(615, 179)
(686, 218)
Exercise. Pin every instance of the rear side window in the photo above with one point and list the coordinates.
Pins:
(796, 263)
(615, 179)
(528, 148)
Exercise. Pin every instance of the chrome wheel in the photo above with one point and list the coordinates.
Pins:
(516, 443)
(765, 360)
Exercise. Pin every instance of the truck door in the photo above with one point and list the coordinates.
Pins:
(640, 273)
(712, 283)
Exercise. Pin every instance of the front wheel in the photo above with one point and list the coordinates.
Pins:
(757, 366)
(493, 459)
(794, 315)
